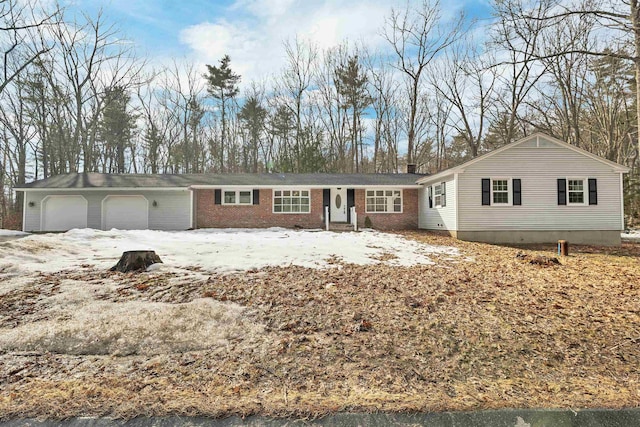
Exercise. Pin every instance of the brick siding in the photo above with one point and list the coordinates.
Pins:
(407, 220)
(210, 215)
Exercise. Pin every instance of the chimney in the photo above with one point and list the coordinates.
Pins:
(411, 168)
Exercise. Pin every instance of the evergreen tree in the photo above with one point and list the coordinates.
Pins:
(223, 86)
(115, 129)
(253, 116)
(351, 83)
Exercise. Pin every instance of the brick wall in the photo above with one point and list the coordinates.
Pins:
(210, 215)
(407, 220)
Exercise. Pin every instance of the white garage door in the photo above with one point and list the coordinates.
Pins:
(125, 213)
(62, 213)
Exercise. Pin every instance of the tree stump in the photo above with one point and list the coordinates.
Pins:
(136, 261)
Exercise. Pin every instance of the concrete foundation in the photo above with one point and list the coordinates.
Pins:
(516, 237)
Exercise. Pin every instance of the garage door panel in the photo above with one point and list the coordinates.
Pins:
(125, 212)
(62, 213)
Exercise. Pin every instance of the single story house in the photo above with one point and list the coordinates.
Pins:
(535, 190)
(179, 202)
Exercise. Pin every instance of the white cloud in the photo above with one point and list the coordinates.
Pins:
(253, 31)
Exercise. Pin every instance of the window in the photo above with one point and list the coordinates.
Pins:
(437, 190)
(382, 201)
(291, 201)
(500, 192)
(237, 197)
(575, 191)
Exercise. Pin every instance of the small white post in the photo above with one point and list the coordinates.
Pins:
(326, 217)
(354, 218)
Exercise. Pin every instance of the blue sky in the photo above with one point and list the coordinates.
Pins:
(250, 31)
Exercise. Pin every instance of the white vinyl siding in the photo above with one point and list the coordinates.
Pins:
(441, 218)
(172, 210)
(539, 169)
(383, 201)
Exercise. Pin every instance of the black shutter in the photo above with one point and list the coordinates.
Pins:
(326, 201)
(517, 192)
(256, 197)
(430, 197)
(351, 201)
(443, 198)
(593, 191)
(217, 197)
(486, 192)
(562, 191)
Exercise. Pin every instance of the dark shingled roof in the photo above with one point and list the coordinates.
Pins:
(100, 180)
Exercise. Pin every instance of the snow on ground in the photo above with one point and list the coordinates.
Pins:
(632, 234)
(11, 233)
(213, 250)
(75, 319)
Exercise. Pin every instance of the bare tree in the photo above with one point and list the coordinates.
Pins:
(22, 35)
(89, 59)
(467, 82)
(417, 36)
(294, 83)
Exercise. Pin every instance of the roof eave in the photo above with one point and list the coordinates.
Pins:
(102, 188)
(311, 187)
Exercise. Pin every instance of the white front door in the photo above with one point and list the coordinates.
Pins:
(338, 205)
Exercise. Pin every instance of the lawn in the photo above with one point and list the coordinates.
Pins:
(292, 323)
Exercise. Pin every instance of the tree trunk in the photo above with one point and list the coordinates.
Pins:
(136, 261)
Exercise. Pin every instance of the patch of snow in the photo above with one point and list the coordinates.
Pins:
(213, 250)
(632, 234)
(11, 233)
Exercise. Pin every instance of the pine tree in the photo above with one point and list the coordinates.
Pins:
(115, 129)
(223, 86)
(351, 83)
(252, 115)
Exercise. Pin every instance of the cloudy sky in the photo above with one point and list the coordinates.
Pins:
(250, 31)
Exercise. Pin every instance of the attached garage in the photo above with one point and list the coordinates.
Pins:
(62, 213)
(125, 212)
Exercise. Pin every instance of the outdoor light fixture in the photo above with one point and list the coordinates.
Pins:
(155, 204)
(31, 204)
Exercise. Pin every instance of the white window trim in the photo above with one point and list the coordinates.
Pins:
(509, 190)
(585, 190)
(237, 202)
(439, 196)
(384, 189)
(273, 200)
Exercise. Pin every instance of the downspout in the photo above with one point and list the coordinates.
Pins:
(194, 209)
(455, 186)
(24, 211)
(622, 202)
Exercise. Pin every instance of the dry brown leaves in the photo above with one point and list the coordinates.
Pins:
(459, 335)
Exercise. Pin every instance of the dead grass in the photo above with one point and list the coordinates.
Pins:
(459, 335)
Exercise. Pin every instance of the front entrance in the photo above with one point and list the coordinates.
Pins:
(339, 205)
